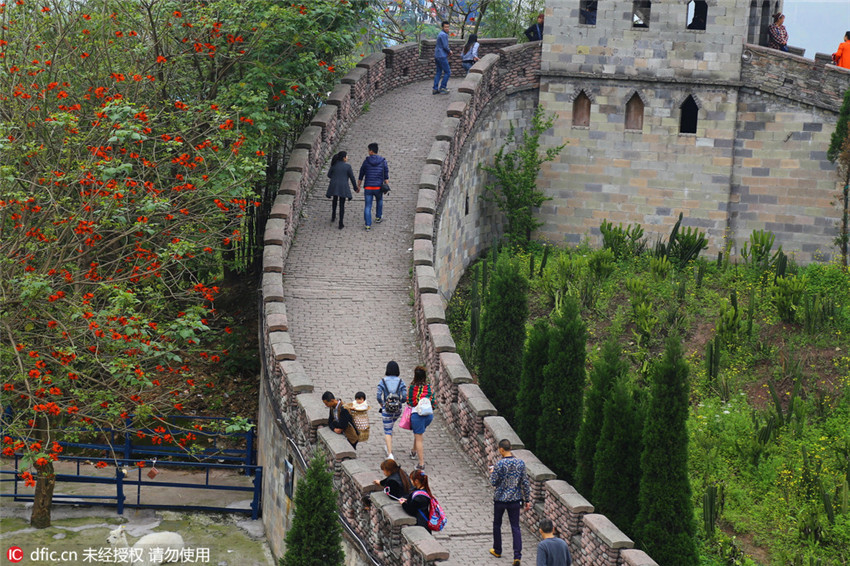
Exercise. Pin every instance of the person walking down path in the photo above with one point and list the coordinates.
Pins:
(340, 174)
(777, 35)
(441, 61)
(534, 32)
(842, 56)
(396, 483)
(420, 398)
(512, 490)
(392, 393)
(469, 56)
(339, 419)
(375, 171)
(552, 551)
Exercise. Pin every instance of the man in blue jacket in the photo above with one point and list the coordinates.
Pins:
(441, 59)
(375, 171)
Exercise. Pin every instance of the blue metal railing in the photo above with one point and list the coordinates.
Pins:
(120, 481)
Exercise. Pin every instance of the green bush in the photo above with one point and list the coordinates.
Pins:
(534, 360)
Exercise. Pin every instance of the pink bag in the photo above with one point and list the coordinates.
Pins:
(404, 420)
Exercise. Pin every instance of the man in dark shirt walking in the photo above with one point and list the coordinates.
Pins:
(552, 551)
(441, 61)
(375, 171)
(512, 490)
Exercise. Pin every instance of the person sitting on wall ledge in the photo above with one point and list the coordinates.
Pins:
(842, 57)
(777, 35)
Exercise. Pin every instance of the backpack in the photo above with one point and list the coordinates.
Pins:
(392, 401)
(424, 408)
(436, 518)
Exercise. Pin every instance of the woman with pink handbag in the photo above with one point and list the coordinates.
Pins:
(420, 401)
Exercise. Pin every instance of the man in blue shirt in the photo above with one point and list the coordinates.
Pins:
(441, 59)
(552, 551)
(512, 490)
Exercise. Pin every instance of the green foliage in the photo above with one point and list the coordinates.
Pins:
(315, 538)
(787, 293)
(841, 133)
(622, 241)
(757, 251)
(682, 246)
(509, 19)
(660, 267)
(664, 527)
(534, 360)
(606, 371)
(617, 471)
(505, 309)
(515, 191)
(601, 263)
(563, 391)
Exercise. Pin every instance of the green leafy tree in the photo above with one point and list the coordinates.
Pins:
(839, 153)
(616, 481)
(515, 191)
(606, 371)
(534, 359)
(563, 390)
(505, 309)
(665, 527)
(315, 538)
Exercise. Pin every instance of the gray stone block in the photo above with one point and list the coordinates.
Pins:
(426, 200)
(297, 377)
(273, 287)
(426, 279)
(500, 429)
(338, 447)
(424, 544)
(309, 137)
(441, 337)
(423, 252)
(354, 75)
(477, 400)
(535, 469)
(430, 177)
(281, 346)
(607, 531)
(635, 557)
(423, 226)
(432, 308)
(314, 409)
(439, 151)
(448, 128)
(455, 368)
(272, 258)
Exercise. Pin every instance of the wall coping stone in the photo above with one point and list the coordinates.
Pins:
(470, 83)
(391, 509)
(574, 501)
(459, 104)
(441, 337)
(635, 557)
(560, 487)
(337, 444)
(423, 252)
(432, 308)
(297, 377)
(439, 151)
(457, 370)
(448, 128)
(309, 137)
(362, 475)
(354, 75)
(291, 183)
(423, 226)
(430, 177)
(500, 428)
(426, 200)
(299, 160)
(536, 470)
(425, 544)
(324, 116)
(607, 531)
(477, 401)
(272, 286)
(426, 279)
(273, 258)
(339, 94)
(275, 234)
(281, 346)
(281, 209)
(375, 58)
(314, 409)
(485, 63)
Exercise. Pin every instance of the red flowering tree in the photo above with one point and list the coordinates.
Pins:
(133, 138)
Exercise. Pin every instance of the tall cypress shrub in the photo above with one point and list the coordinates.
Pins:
(503, 333)
(606, 371)
(315, 538)
(664, 527)
(563, 385)
(617, 459)
(534, 359)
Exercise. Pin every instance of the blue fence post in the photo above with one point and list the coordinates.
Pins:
(128, 441)
(119, 489)
(258, 490)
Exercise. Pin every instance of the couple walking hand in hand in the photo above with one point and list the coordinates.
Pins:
(375, 172)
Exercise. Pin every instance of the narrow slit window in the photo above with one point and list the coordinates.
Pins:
(634, 113)
(587, 12)
(581, 110)
(697, 14)
(689, 117)
(640, 13)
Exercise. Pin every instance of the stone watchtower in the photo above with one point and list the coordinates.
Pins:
(670, 106)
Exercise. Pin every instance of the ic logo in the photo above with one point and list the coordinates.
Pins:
(15, 554)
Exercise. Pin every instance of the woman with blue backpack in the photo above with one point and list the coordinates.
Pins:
(392, 393)
(420, 399)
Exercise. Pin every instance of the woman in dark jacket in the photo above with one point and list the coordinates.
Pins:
(418, 506)
(396, 479)
(340, 173)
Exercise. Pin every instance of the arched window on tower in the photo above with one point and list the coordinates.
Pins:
(581, 110)
(587, 12)
(634, 113)
(640, 13)
(689, 116)
(697, 14)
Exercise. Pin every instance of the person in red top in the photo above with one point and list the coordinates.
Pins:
(842, 56)
(777, 35)
(423, 412)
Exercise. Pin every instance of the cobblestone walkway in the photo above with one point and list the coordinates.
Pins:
(349, 303)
